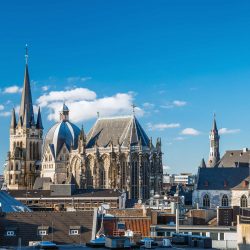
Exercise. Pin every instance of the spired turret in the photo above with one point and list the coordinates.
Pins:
(13, 123)
(214, 154)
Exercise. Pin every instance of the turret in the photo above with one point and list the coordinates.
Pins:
(64, 115)
(82, 141)
(214, 154)
(39, 123)
(13, 123)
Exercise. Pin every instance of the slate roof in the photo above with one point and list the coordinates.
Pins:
(9, 204)
(109, 130)
(221, 178)
(78, 193)
(243, 185)
(40, 181)
(233, 158)
(58, 224)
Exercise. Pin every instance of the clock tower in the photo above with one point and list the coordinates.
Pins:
(214, 154)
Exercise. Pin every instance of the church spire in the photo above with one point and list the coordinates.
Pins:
(13, 119)
(26, 106)
(214, 154)
(39, 124)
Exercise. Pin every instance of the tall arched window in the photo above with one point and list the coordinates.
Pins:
(206, 201)
(134, 180)
(31, 154)
(243, 201)
(34, 151)
(224, 201)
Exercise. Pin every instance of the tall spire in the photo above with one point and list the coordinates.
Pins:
(39, 123)
(26, 106)
(214, 154)
(13, 120)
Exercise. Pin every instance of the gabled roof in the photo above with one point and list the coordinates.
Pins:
(221, 178)
(234, 158)
(125, 130)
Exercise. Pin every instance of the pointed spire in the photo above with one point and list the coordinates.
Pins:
(39, 124)
(13, 119)
(26, 101)
(25, 120)
(214, 124)
(203, 164)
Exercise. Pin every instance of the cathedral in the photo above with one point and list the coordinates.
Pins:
(115, 154)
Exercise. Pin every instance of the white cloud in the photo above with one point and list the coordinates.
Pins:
(224, 131)
(162, 126)
(148, 105)
(179, 138)
(174, 104)
(190, 131)
(179, 103)
(12, 90)
(6, 113)
(77, 79)
(84, 104)
(45, 88)
(1, 107)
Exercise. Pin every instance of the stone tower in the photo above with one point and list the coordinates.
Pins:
(214, 154)
(25, 142)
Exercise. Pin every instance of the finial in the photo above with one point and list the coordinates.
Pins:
(26, 53)
(133, 108)
(98, 114)
(214, 115)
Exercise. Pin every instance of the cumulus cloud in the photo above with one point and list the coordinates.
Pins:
(84, 104)
(190, 131)
(224, 131)
(162, 126)
(12, 90)
(173, 104)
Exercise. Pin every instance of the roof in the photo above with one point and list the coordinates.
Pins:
(78, 193)
(126, 131)
(39, 182)
(9, 204)
(243, 185)
(63, 132)
(233, 158)
(221, 178)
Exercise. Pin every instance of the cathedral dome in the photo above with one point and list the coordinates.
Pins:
(63, 132)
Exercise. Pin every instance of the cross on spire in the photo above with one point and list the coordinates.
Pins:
(26, 53)
(133, 108)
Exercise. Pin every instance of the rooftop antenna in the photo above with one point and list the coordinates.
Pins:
(26, 53)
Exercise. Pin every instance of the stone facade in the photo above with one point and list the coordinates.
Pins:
(25, 143)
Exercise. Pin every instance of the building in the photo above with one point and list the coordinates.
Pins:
(115, 154)
(25, 142)
(223, 182)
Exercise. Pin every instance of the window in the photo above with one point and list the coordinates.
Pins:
(224, 201)
(221, 236)
(42, 232)
(10, 233)
(206, 201)
(243, 201)
(214, 236)
(73, 232)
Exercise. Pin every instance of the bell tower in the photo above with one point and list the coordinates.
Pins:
(214, 154)
(25, 141)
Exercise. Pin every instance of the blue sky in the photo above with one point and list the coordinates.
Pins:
(178, 61)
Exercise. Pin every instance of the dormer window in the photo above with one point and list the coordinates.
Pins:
(10, 231)
(74, 230)
(43, 230)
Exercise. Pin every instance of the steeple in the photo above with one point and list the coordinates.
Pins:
(64, 115)
(214, 154)
(39, 124)
(26, 106)
(13, 119)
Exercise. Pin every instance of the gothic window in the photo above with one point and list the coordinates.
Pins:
(16, 166)
(134, 180)
(102, 177)
(243, 201)
(31, 154)
(18, 143)
(206, 201)
(30, 167)
(145, 177)
(224, 201)
(21, 144)
(37, 151)
(123, 174)
(14, 145)
(34, 150)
